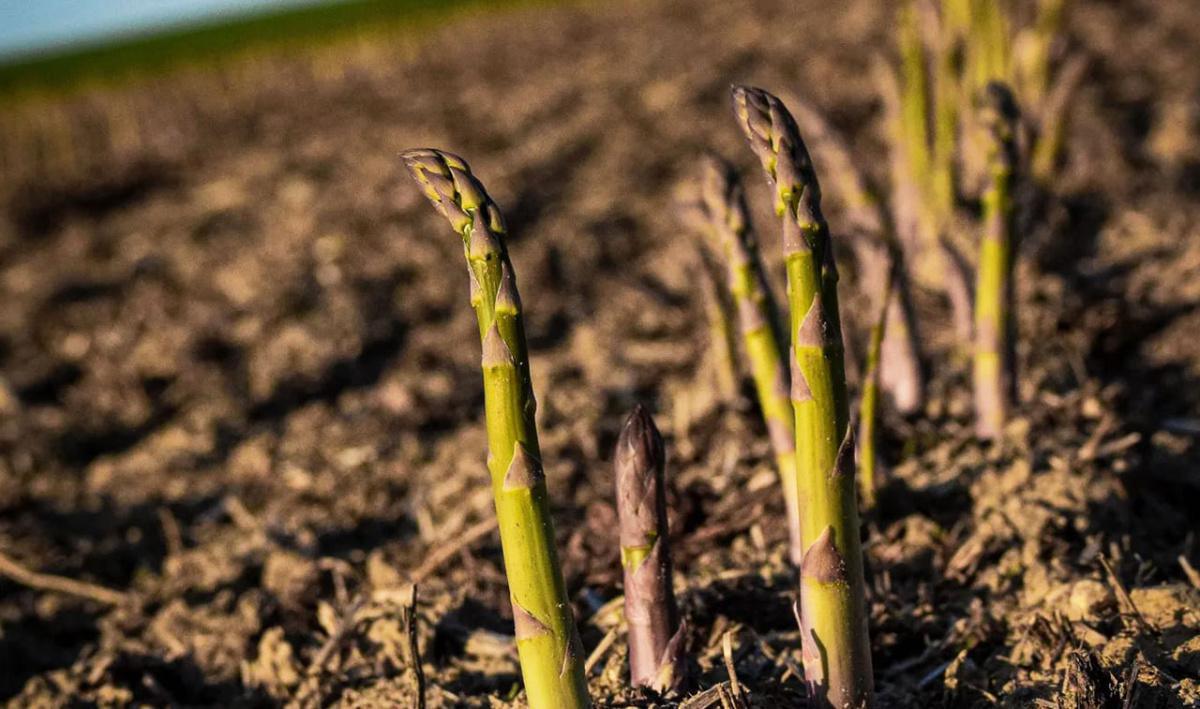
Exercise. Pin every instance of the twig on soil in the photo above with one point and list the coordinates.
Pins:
(58, 584)
(779, 659)
(1131, 682)
(442, 554)
(934, 674)
(1119, 589)
(414, 651)
(1189, 571)
(601, 650)
(727, 653)
(711, 697)
(345, 625)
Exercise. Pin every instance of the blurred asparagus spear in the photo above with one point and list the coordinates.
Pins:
(656, 657)
(717, 208)
(869, 407)
(547, 642)
(722, 339)
(836, 649)
(993, 291)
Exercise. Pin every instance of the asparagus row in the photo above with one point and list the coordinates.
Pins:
(656, 657)
(993, 290)
(547, 642)
(718, 210)
(835, 645)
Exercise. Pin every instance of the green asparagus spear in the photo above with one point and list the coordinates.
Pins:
(547, 642)
(869, 407)
(993, 290)
(879, 255)
(722, 339)
(718, 210)
(836, 649)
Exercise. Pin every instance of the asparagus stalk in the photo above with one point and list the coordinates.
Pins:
(993, 290)
(869, 407)
(1052, 121)
(655, 634)
(947, 97)
(914, 131)
(547, 642)
(722, 339)
(835, 646)
(718, 209)
(880, 259)
(1032, 51)
(989, 42)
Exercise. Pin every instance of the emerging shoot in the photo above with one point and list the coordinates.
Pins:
(547, 643)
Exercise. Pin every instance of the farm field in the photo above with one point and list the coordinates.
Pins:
(240, 382)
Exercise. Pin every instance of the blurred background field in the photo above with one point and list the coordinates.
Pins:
(114, 50)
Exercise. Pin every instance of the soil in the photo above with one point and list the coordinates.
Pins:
(241, 386)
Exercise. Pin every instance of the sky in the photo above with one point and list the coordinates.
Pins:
(34, 26)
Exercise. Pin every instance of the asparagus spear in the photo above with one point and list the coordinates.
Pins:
(993, 290)
(718, 209)
(722, 340)
(655, 634)
(869, 406)
(1053, 118)
(836, 649)
(547, 642)
(879, 255)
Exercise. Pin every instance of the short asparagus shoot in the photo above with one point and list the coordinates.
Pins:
(835, 644)
(656, 635)
(993, 376)
(548, 645)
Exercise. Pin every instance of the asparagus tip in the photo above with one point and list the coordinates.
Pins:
(639, 445)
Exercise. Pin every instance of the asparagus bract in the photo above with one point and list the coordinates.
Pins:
(547, 642)
(837, 659)
(993, 290)
(655, 634)
(718, 209)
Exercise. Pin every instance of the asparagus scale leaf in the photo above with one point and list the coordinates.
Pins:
(548, 644)
(836, 648)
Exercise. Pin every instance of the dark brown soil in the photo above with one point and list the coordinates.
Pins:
(240, 376)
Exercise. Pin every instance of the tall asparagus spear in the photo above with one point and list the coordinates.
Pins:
(836, 649)
(547, 642)
(993, 290)
(718, 209)
(655, 634)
